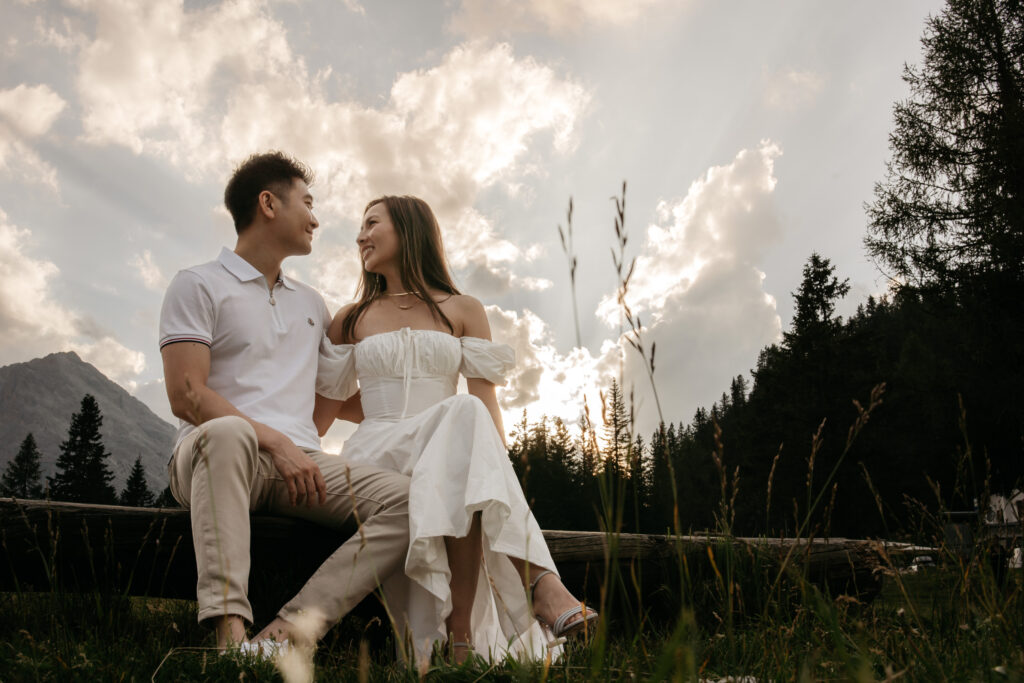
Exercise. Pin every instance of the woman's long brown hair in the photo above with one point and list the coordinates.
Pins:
(422, 262)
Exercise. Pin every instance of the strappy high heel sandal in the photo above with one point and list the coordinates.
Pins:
(470, 652)
(562, 629)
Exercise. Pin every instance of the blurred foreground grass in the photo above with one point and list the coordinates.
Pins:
(948, 623)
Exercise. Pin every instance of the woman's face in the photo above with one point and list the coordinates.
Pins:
(379, 245)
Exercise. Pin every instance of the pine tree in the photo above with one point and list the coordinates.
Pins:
(83, 475)
(166, 499)
(814, 321)
(136, 493)
(22, 477)
(639, 483)
(617, 427)
(951, 211)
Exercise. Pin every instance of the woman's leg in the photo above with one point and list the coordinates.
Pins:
(464, 557)
(550, 596)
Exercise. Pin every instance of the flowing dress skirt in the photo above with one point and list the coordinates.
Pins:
(458, 466)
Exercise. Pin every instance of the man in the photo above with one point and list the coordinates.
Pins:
(239, 343)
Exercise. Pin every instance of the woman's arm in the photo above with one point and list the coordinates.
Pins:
(327, 410)
(484, 391)
(474, 324)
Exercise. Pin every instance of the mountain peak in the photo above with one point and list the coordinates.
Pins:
(40, 396)
(69, 355)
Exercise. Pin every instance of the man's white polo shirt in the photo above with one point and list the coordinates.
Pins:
(263, 343)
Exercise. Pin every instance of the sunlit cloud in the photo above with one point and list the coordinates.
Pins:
(34, 321)
(148, 271)
(483, 17)
(698, 287)
(545, 381)
(27, 112)
(727, 216)
(59, 33)
(196, 87)
(700, 292)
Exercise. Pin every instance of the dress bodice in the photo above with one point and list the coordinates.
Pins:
(403, 372)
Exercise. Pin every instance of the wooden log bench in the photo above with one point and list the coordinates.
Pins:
(148, 552)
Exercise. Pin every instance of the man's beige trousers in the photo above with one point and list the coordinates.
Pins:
(219, 473)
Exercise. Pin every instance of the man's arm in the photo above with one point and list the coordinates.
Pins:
(186, 371)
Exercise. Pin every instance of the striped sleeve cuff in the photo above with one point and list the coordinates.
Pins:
(175, 338)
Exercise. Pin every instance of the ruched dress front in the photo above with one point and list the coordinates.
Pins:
(416, 423)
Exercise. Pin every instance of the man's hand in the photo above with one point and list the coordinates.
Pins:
(298, 470)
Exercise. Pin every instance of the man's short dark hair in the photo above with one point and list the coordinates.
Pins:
(274, 171)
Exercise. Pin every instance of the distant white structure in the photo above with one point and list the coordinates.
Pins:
(1005, 510)
(1003, 514)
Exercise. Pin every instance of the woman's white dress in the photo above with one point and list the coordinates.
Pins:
(447, 443)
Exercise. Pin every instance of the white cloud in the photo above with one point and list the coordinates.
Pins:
(336, 270)
(27, 112)
(148, 271)
(198, 87)
(30, 110)
(62, 36)
(546, 382)
(699, 289)
(476, 17)
(697, 286)
(484, 258)
(727, 216)
(790, 89)
(112, 358)
(34, 323)
(26, 311)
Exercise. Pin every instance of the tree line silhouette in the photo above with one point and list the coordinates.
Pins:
(83, 474)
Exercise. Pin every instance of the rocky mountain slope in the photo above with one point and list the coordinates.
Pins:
(41, 395)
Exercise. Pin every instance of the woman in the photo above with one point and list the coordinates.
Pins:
(407, 338)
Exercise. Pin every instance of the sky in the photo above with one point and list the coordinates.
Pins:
(750, 134)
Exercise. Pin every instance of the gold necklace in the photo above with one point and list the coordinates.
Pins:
(398, 305)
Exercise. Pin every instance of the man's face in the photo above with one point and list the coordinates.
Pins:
(294, 221)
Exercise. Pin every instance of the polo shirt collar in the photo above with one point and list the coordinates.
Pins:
(245, 271)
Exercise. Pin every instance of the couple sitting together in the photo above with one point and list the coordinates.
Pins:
(257, 370)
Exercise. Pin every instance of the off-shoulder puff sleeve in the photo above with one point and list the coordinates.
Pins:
(482, 359)
(336, 370)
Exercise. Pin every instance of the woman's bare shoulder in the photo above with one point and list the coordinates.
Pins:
(471, 315)
(334, 332)
(465, 302)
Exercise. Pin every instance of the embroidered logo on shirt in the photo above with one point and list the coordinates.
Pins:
(310, 321)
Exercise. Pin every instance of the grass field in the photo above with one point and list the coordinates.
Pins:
(955, 622)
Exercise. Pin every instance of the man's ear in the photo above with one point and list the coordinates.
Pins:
(265, 203)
